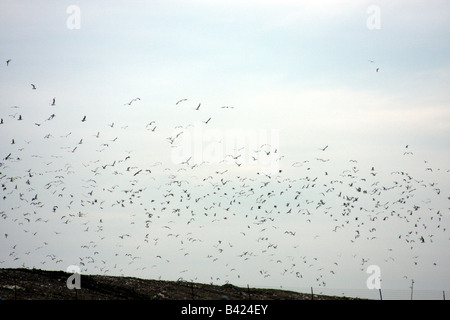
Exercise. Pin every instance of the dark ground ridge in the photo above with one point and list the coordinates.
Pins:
(37, 284)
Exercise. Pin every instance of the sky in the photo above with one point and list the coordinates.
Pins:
(266, 143)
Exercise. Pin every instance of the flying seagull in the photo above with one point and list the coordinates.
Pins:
(180, 101)
(53, 102)
(150, 123)
(7, 62)
(84, 119)
(129, 103)
(206, 122)
(198, 107)
(33, 87)
(324, 148)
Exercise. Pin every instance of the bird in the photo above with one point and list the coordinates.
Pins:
(7, 62)
(206, 122)
(33, 87)
(324, 148)
(198, 107)
(84, 119)
(179, 101)
(129, 103)
(149, 124)
(53, 102)
(377, 69)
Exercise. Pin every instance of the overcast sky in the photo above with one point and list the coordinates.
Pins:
(282, 98)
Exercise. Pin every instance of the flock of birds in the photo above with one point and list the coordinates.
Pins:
(84, 198)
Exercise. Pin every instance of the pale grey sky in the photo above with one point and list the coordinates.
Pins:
(288, 78)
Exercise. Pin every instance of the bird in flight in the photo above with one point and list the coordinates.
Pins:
(84, 119)
(198, 107)
(179, 101)
(53, 102)
(324, 148)
(206, 122)
(377, 69)
(33, 87)
(7, 62)
(129, 103)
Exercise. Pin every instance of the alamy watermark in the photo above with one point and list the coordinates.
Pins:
(373, 21)
(74, 281)
(374, 280)
(248, 147)
(74, 19)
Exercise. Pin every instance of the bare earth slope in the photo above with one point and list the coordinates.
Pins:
(35, 284)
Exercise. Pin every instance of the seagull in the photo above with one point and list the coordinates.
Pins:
(206, 122)
(33, 87)
(53, 102)
(84, 119)
(198, 107)
(129, 103)
(324, 148)
(180, 101)
(150, 123)
(7, 62)
(377, 69)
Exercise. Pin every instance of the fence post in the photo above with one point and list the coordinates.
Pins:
(381, 296)
(412, 286)
(443, 293)
(312, 294)
(248, 291)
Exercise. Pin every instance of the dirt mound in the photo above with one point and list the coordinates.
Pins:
(35, 284)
